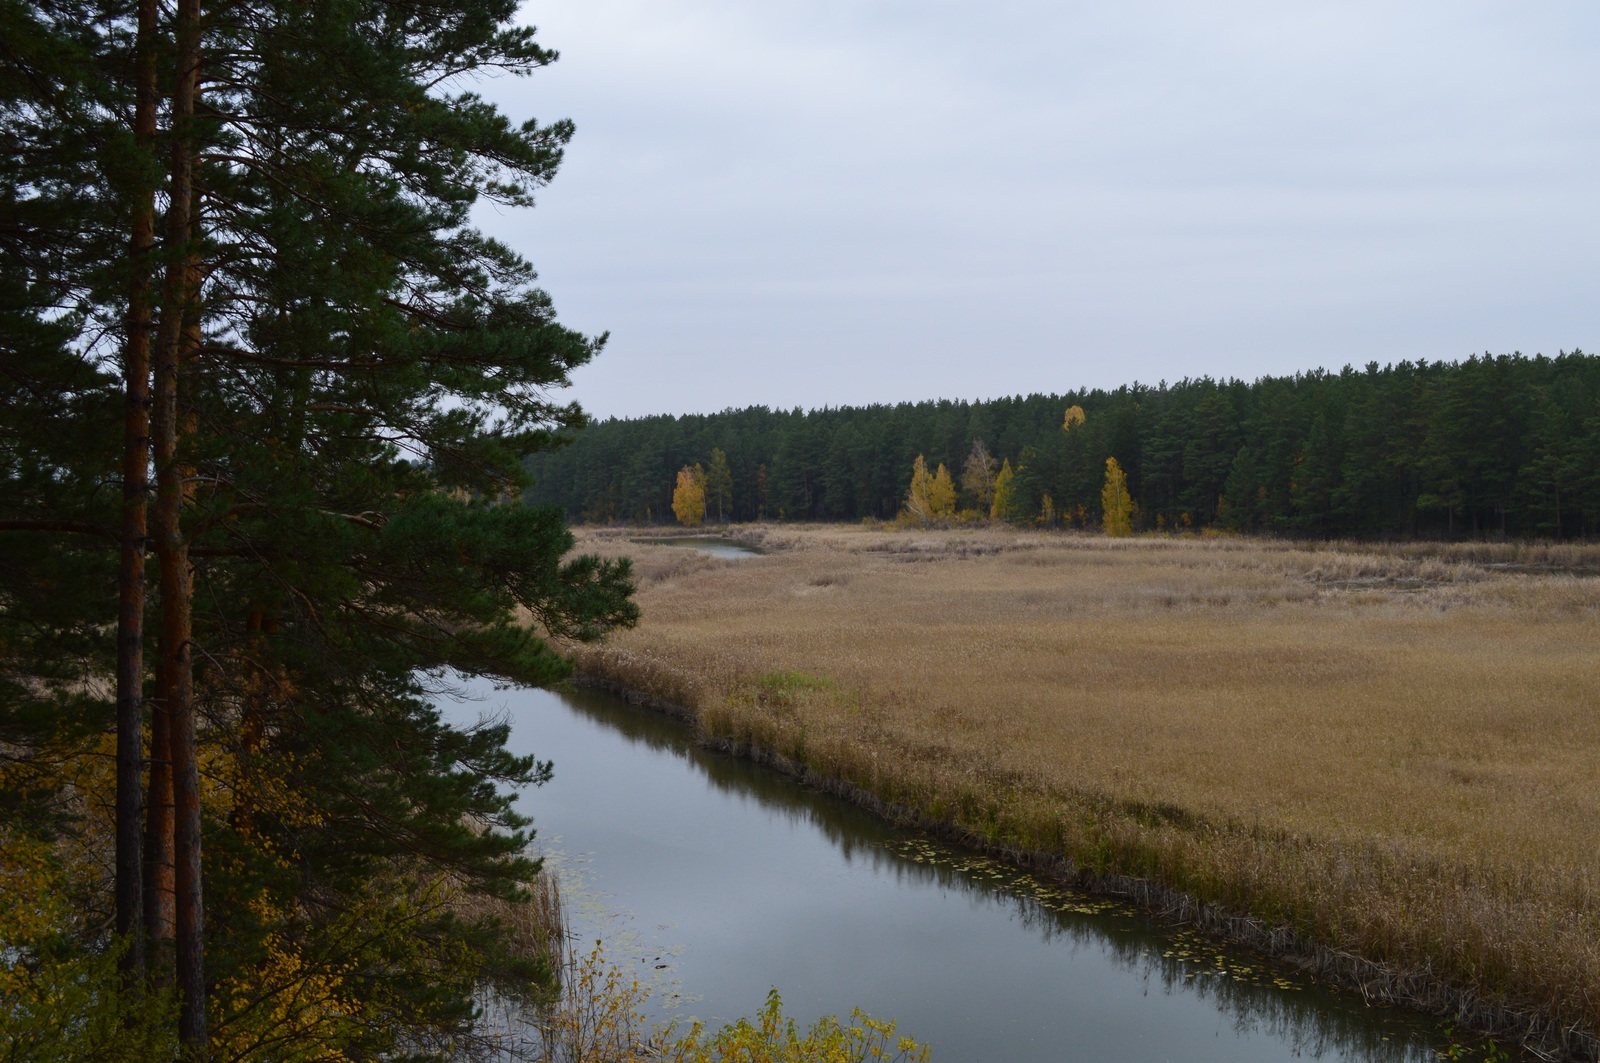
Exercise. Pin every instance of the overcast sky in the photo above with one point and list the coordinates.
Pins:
(839, 202)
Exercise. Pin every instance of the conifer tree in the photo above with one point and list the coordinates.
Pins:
(1004, 492)
(1241, 492)
(918, 504)
(719, 485)
(346, 377)
(931, 496)
(942, 493)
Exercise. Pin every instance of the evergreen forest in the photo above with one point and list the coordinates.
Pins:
(264, 395)
(1491, 446)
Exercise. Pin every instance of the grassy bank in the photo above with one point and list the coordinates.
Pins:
(1382, 757)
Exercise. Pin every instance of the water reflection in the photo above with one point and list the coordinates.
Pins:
(756, 881)
(714, 545)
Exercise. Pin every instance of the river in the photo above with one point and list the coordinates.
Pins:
(714, 879)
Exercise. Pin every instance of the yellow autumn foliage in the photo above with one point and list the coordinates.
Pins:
(932, 496)
(290, 1000)
(59, 1001)
(689, 497)
(774, 1038)
(598, 1020)
(1004, 492)
(1116, 504)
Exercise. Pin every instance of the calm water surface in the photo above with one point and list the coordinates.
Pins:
(715, 879)
(714, 545)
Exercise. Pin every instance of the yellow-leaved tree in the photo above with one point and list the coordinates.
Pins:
(1074, 418)
(689, 497)
(932, 495)
(1115, 503)
(943, 493)
(1005, 492)
(60, 1003)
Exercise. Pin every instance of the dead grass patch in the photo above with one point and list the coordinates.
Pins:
(1391, 750)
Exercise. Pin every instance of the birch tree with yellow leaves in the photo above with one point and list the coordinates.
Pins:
(689, 497)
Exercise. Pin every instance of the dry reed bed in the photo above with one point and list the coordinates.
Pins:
(1389, 751)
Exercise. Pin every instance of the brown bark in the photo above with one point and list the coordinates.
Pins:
(135, 487)
(178, 330)
(187, 883)
(158, 898)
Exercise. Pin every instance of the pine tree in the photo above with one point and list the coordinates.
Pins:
(370, 531)
(346, 377)
(1392, 439)
(1240, 495)
(67, 166)
(719, 485)
(1548, 480)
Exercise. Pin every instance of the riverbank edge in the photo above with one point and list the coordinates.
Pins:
(1378, 984)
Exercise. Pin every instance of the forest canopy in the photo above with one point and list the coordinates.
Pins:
(264, 394)
(1491, 445)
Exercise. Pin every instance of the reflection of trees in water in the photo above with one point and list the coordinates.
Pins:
(1259, 999)
(851, 829)
(1310, 1021)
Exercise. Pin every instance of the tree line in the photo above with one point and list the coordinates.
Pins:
(264, 395)
(1492, 445)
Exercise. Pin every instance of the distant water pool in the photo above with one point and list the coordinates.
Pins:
(714, 545)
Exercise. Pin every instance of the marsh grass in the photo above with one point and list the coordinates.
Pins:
(531, 929)
(1387, 752)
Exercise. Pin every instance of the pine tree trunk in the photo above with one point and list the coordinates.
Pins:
(179, 324)
(135, 486)
(158, 899)
(188, 897)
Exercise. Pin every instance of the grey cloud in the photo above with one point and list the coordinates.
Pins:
(798, 204)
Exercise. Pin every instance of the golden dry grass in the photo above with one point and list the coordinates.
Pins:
(1394, 750)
